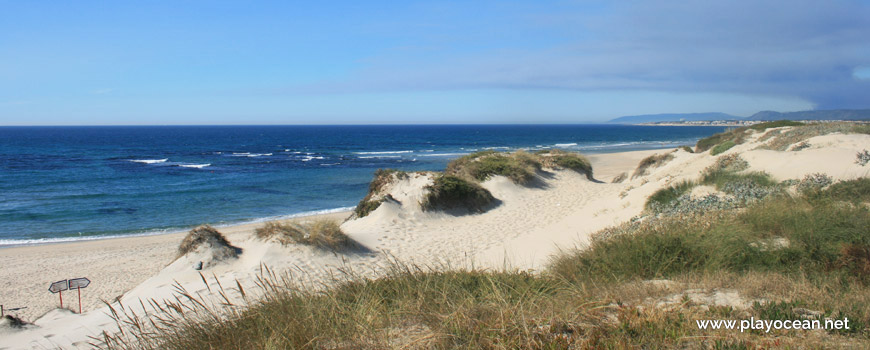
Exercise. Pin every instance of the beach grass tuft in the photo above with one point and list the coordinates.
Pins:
(651, 162)
(206, 235)
(374, 198)
(321, 233)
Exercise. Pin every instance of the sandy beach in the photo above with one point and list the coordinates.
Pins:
(529, 226)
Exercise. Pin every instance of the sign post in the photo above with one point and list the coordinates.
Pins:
(78, 284)
(59, 287)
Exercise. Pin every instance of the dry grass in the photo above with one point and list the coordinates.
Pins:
(619, 178)
(206, 235)
(651, 162)
(322, 233)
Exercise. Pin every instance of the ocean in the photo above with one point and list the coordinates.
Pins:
(71, 183)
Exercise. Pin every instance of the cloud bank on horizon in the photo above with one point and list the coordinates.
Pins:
(489, 61)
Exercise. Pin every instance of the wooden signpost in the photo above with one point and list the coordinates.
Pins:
(78, 284)
(59, 287)
(75, 283)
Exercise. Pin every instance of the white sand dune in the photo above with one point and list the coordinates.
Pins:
(528, 226)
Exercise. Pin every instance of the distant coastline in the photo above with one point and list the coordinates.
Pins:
(732, 123)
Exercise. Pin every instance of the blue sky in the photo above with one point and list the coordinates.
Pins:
(285, 62)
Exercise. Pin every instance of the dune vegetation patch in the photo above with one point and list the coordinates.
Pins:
(375, 196)
(556, 159)
(739, 135)
(322, 233)
(667, 195)
(448, 192)
(207, 237)
(651, 162)
(782, 141)
(520, 167)
(722, 147)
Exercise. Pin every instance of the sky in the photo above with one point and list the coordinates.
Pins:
(420, 62)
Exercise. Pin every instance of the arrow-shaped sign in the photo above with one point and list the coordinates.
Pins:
(77, 283)
(59, 286)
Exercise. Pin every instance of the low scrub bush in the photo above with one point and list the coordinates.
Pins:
(449, 192)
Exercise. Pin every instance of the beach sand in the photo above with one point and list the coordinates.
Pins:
(528, 226)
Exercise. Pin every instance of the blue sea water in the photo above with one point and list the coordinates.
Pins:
(70, 183)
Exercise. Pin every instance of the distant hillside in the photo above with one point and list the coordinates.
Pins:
(834, 114)
(673, 117)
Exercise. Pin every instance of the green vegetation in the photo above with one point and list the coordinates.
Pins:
(520, 167)
(774, 124)
(722, 147)
(687, 149)
(818, 231)
(319, 233)
(669, 194)
(800, 253)
(449, 192)
(374, 198)
(566, 160)
(653, 161)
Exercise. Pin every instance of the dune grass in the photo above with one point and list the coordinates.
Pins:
(653, 161)
(206, 235)
(520, 167)
(321, 233)
(556, 158)
(782, 141)
(374, 198)
(449, 192)
(669, 194)
(722, 147)
(739, 135)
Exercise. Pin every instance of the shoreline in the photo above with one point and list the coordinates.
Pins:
(665, 145)
(177, 230)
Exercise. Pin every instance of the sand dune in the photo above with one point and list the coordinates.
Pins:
(528, 225)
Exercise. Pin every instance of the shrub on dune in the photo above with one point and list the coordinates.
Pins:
(449, 192)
